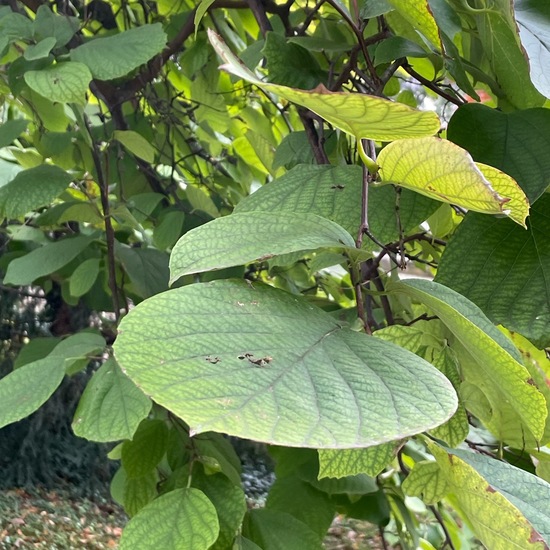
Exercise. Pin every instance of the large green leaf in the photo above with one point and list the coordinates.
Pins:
(44, 260)
(340, 463)
(508, 274)
(533, 19)
(441, 170)
(489, 362)
(334, 192)
(65, 82)
(115, 56)
(111, 406)
(248, 236)
(495, 520)
(31, 189)
(528, 493)
(275, 530)
(183, 518)
(27, 388)
(259, 363)
(359, 115)
(517, 143)
(499, 36)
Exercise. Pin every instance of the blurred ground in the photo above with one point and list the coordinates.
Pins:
(56, 520)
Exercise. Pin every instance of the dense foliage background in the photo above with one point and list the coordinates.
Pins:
(353, 220)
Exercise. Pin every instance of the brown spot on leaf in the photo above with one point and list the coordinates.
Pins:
(535, 537)
(489, 489)
(531, 382)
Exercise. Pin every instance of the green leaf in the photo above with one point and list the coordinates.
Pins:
(488, 360)
(27, 388)
(201, 12)
(136, 144)
(533, 17)
(228, 241)
(334, 192)
(212, 446)
(169, 230)
(290, 64)
(396, 47)
(528, 493)
(489, 281)
(146, 267)
(31, 189)
(348, 462)
(230, 504)
(146, 449)
(419, 14)
(12, 129)
(274, 530)
(36, 349)
(111, 406)
(304, 502)
(183, 518)
(253, 378)
(242, 543)
(502, 47)
(115, 56)
(517, 143)
(49, 24)
(427, 481)
(424, 339)
(84, 277)
(44, 260)
(359, 115)
(200, 200)
(15, 26)
(78, 345)
(40, 50)
(65, 82)
(441, 170)
(138, 492)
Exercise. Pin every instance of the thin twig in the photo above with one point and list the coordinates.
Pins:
(431, 85)
(382, 539)
(109, 231)
(448, 541)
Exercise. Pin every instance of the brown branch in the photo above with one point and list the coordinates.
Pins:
(313, 137)
(431, 85)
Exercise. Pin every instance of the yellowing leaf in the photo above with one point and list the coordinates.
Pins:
(339, 463)
(494, 519)
(497, 388)
(505, 185)
(419, 15)
(443, 171)
(360, 115)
